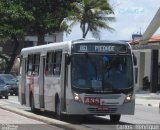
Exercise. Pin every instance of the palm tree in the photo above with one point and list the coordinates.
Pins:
(92, 15)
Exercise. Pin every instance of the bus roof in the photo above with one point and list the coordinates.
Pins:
(47, 47)
(64, 45)
(99, 41)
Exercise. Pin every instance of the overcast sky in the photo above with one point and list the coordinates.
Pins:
(131, 17)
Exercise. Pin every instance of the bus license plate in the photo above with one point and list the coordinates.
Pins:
(102, 108)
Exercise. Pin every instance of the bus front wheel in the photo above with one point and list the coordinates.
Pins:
(115, 118)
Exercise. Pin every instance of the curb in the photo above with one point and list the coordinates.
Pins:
(60, 124)
(147, 101)
(148, 98)
(150, 105)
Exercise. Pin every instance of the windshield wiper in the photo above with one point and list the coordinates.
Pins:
(123, 90)
(74, 86)
(82, 90)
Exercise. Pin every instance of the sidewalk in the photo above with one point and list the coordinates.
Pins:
(147, 98)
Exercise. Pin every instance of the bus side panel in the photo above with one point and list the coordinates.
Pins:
(52, 86)
(64, 83)
(36, 92)
(22, 86)
(41, 82)
(27, 90)
(32, 89)
(69, 92)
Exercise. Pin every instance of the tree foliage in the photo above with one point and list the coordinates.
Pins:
(92, 15)
(31, 17)
(13, 18)
(48, 15)
(12, 22)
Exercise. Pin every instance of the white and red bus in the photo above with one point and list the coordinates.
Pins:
(81, 77)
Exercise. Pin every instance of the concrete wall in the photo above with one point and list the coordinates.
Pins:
(59, 37)
(147, 63)
(56, 37)
(143, 65)
(141, 68)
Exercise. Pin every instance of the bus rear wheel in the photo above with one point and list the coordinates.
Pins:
(115, 118)
(58, 110)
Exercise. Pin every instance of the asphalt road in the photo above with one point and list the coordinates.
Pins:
(143, 115)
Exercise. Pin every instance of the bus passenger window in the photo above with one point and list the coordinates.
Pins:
(29, 65)
(49, 64)
(46, 70)
(33, 65)
(53, 63)
(57, 62)
(36, 64)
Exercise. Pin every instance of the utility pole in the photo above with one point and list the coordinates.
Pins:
(154, 71)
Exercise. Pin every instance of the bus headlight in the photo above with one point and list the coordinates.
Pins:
(77, 97)
(128, 98)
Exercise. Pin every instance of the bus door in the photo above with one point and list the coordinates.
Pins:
(41, 82)
(64, 79)
(22, 84)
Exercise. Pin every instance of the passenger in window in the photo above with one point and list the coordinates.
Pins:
(33, 73)
(46, 72)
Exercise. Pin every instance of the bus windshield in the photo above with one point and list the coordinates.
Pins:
(101, 72)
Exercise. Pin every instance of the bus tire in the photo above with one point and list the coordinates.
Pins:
(115, 118)
(58, 109)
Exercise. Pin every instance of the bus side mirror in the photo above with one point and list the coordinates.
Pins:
(134, 59)
(68, 59)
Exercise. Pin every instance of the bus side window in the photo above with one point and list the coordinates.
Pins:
(49, 64)
(46, 69)
(57, 62)
(29, 65)
(53, 63)
(33, 65)
(36, 64)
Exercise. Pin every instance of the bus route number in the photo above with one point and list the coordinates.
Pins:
(83, 48)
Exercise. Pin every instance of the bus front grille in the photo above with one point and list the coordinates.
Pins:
(97, 111)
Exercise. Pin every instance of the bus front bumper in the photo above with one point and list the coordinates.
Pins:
(76, 108)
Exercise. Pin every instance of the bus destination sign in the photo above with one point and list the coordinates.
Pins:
(110, 48)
